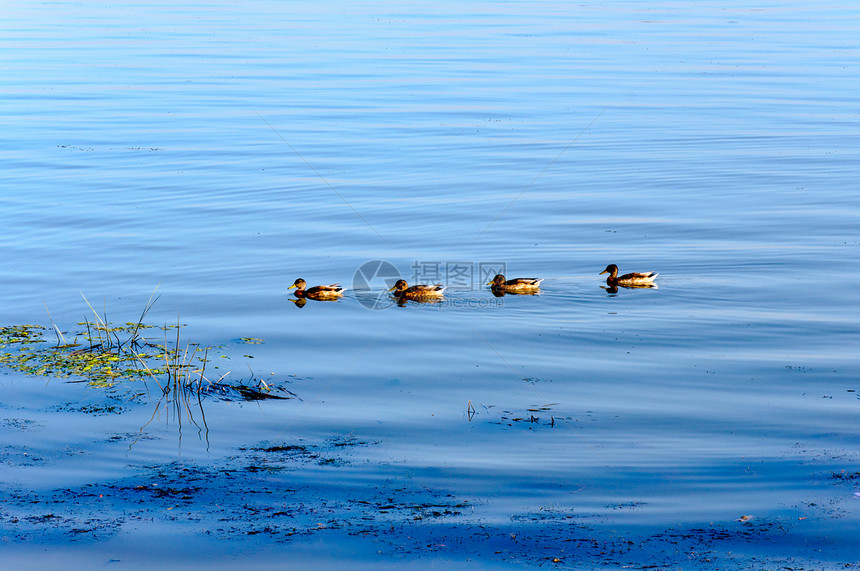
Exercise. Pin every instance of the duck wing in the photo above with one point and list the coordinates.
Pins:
(638, 277)
(333, 289)
(435, 289)
(524, 282)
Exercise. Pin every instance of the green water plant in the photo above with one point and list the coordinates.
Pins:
(104, 353)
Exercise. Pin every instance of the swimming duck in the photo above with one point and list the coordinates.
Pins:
(403, 291)
(631, 279)
(515, 285)
(323, 292)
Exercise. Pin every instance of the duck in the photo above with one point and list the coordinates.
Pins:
(515, 285)
(632, 279)
(402, 291)
(321, 292)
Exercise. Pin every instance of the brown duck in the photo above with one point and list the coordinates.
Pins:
(631, 279)
(321, 292)
(402, 291)
(515, 285)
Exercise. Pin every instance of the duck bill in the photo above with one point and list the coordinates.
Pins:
(292, 286)
(392, 289)
(603, 272)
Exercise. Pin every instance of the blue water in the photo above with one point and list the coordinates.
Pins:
(218, 153)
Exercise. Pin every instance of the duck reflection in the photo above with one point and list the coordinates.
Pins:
(403, 302)
(612, 289)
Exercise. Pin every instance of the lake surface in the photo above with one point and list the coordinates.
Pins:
(218, 153)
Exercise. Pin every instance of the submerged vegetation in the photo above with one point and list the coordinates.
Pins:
(87, 357)
(106, 354)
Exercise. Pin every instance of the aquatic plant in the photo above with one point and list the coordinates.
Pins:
(105, 354)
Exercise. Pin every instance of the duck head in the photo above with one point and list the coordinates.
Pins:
(611, 269)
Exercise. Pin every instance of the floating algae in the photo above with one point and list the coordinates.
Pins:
(105, 355)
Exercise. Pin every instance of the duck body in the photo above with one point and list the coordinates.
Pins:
(321, 292)
(418, 292)
(515, 285)
(631, 279)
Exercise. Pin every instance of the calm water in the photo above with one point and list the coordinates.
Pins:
(219, 153)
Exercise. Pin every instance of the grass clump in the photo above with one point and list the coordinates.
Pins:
(104, 354)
